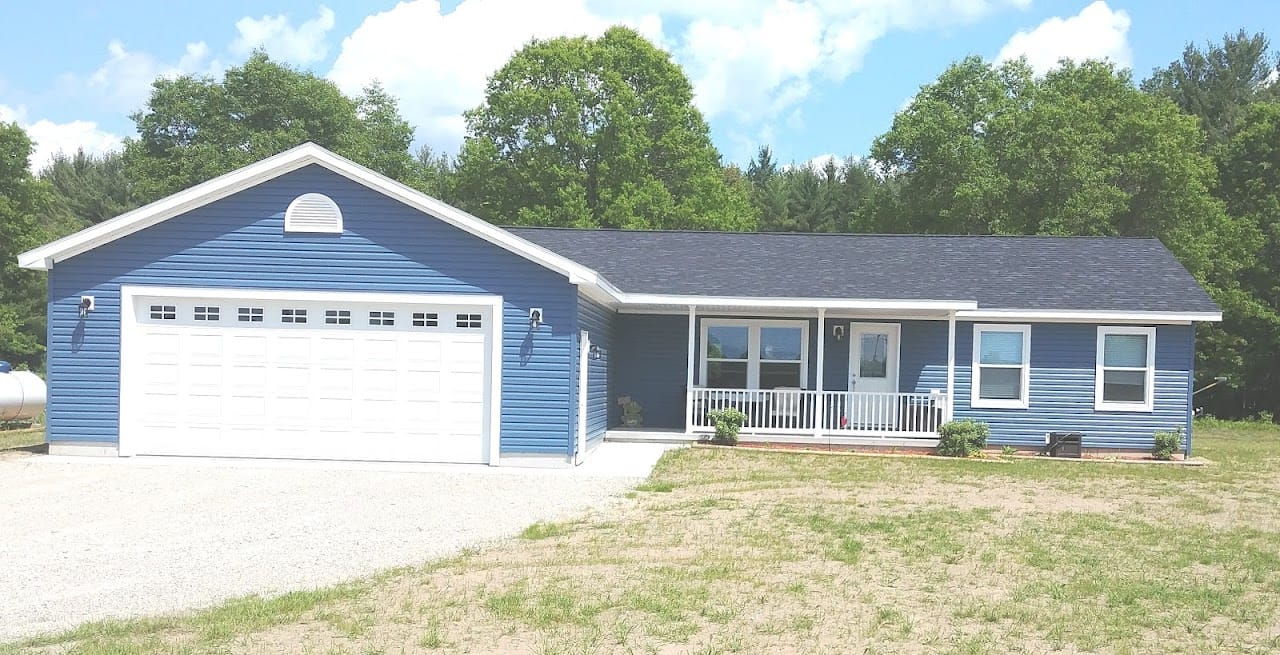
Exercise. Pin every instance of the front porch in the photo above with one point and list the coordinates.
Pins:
(878, 377)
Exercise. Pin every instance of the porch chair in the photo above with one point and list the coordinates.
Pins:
(785, 407)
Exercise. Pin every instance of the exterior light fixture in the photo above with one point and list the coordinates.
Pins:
(535, 317)
(838, 332)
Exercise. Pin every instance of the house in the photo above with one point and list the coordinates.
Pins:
(306, 307)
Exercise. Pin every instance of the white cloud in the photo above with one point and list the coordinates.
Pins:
(759, 60)
(304, 44)
(123, 82)
(51, 138)
(437, 63)
(1097, 32)
(751, 60)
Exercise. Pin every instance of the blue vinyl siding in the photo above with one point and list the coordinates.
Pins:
(649, 365)
(598, 321)
(1062, 389)
(239, 242)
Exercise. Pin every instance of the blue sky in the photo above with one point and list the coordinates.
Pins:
(808, 77)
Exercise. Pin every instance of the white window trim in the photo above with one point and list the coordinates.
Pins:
(976, 374)
(753, 347)
(1148, 404)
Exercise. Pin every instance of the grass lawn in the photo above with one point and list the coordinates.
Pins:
(743, 551)
(10, 439)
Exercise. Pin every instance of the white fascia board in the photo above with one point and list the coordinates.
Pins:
(44, 257)
(1089, 316)
(795, 303)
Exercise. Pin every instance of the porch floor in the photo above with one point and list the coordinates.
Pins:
(672, 435)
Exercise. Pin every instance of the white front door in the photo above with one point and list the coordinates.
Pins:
(873, 376)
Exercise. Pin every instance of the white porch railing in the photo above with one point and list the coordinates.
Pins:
(833, 413)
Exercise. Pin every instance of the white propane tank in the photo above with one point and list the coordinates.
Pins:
(22, 394)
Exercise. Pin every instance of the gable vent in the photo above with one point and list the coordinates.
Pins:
(313, 212)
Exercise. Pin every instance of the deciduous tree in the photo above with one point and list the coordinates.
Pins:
(595, 133)
(196, 128)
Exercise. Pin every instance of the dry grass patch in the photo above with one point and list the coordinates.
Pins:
(737, 551)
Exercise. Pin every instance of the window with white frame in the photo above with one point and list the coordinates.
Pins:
(759, 354)
(1001, 366)
(1126, 366)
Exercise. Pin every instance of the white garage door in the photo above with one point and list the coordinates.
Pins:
(386, 378)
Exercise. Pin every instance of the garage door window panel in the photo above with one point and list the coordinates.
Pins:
(164, 312)
(337, 317)
(293, 316)
(249, 314)
(207, 313)
(381, 318)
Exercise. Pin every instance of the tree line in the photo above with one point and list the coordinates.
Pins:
(603, 132)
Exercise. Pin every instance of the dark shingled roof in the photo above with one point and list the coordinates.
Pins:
(999, 272)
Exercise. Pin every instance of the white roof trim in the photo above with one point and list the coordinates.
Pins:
(1088, 316)
(45, 256)
(796, 303)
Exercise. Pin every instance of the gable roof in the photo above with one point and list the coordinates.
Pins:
(1050, 278)
(1047, 274)
(307, 154)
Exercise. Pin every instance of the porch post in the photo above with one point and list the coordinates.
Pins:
(688, 380)
(951, 366)
(814, 411)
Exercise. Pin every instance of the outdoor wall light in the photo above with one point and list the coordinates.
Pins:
(595, 352)
(838, 332)
(86, 305)
(535, 317)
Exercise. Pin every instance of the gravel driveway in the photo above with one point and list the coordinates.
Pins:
(85, 540)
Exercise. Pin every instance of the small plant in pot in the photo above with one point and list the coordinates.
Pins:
(631, 412)
(727, 421)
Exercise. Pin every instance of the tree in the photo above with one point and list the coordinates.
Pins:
(92, 188)
(196, 128)
(28, 217)
(991, 149)
(1249, 166)
(434, 175)
(1216, 84)
(595, 133)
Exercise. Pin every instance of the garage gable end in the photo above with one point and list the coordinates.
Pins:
(236, 248)
(305, 155)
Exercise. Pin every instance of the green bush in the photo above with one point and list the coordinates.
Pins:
(728, 421)
(1167, 442)
(963, 438)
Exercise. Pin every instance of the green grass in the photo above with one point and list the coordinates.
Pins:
(748, 551)
(11, 439)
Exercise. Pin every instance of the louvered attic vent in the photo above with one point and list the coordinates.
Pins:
(315, 213)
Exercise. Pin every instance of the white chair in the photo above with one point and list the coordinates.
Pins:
(785, 407)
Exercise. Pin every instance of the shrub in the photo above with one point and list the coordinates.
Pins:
(1167, 442)
(963, 438)
(728, 421)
